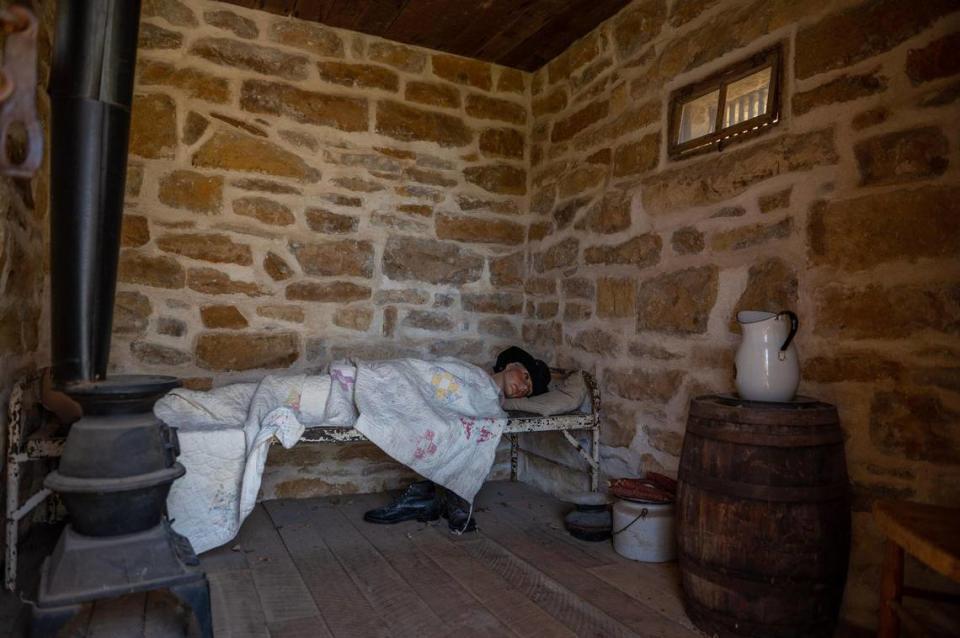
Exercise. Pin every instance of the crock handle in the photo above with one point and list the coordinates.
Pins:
(794, 326)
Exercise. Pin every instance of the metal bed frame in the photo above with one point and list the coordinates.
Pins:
(46, 442)
(518, 423)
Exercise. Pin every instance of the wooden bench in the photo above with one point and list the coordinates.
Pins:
(930, 534)
(518, 423)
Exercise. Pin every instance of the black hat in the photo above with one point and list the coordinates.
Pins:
(538, 370)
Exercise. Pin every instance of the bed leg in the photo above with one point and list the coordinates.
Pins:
(513, 457)
(595, 466)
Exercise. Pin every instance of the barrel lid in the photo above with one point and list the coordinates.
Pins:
(801, 411)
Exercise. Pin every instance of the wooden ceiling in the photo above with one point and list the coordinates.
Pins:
(524, 34)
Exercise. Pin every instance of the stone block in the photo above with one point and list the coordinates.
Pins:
(428, 320)
(511, 81)
(159, 355)
(134, 232)
(490, 108)
(228, 317)
(938, 59)
(307, 36)
(251, 57)
(342, 200)
(212, 247)
(265, 185)
(247, 351)
(433, 94)
(230, 21)
(462, 70)
(150, 36)
(327, 292)
(753, 235)
(364, 76)
(192, 191)
(666, 441)
(171, 327)
(636, 158)
(572, 124)
(498, 178)
(862, 31)
(683, 11)
(501, 303)
(638, 26)
(240, 124)
(870, 117)
(941, 97)
(396, 55)
(640, 251)
(581, 179)
(850, 367)
(538, 231)
(131, 313)
(687, 241)
(134, 180)
(309, 107)
(578, 288)
(771, 286)
(328, 223)
(639, 384)
(916, 426)
(194, 127)
(502, 142)
(903, 156)
(842, 89)
(210, 281)
(678, 302)
(501, 207)
(720, 178)
(423, 176)
(275, 266)
(887, 312)
(477, 230)
(774, 201)
(436, 262)
(553, 102)
(340, 257)
(540, 286)
(563, 254)
(173, 11)
(153, 126)
(358, 185)
(406, 295)
(616, 297)
(617, 424)
(357, 318)
(595, 341)
(231, 150)
(403, 122)
(160, 271)
(565, 212)
(542, 334)
(904, 225)
(508, 271)
(290, 314)
(609, 215)
(629, 122)
(573, 312)
(578, 55)
(419, 210)
(497, 327)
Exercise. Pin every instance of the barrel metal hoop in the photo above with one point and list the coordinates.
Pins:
(744, 585)
(709, 620)
(722, 432)
(772, 493)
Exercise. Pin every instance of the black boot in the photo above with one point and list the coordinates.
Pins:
(419, 501)
(458, 513)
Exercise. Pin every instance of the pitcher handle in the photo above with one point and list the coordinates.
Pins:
(794, 326)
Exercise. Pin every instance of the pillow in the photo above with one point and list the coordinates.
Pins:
(565, 395)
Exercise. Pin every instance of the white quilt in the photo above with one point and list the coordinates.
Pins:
(441, 418)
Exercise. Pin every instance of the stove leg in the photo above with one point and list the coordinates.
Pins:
(46, 622)
(196, 595)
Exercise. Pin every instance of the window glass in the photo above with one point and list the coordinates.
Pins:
(747, 98)
(699, 117)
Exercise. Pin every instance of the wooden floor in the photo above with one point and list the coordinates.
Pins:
(314, 568)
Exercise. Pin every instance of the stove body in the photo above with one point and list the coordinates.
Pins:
(119, 460)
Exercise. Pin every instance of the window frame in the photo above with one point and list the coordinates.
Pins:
(722, 136)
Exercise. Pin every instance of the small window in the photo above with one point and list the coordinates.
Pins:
(737, 102)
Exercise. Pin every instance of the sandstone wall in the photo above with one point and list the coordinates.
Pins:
(298, 194)
(846, 212)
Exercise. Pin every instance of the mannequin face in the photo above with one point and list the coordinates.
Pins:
(515, 381)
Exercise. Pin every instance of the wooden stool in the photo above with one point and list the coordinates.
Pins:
(930, 534)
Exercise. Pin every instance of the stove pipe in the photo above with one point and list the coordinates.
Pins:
(91, 87)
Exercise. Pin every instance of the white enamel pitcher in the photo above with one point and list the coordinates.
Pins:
(767, 364)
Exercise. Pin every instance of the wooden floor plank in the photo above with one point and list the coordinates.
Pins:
(502, 598)
(314, 627)
(224, 558)
(583, 584)
(236, 606)
(283, 594)
(461, 613)
(342, 605)
(403, 611)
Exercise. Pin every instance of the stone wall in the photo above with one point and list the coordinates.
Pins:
(846, 212)
(298, 194)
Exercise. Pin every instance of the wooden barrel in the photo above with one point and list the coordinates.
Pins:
(763, 517)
